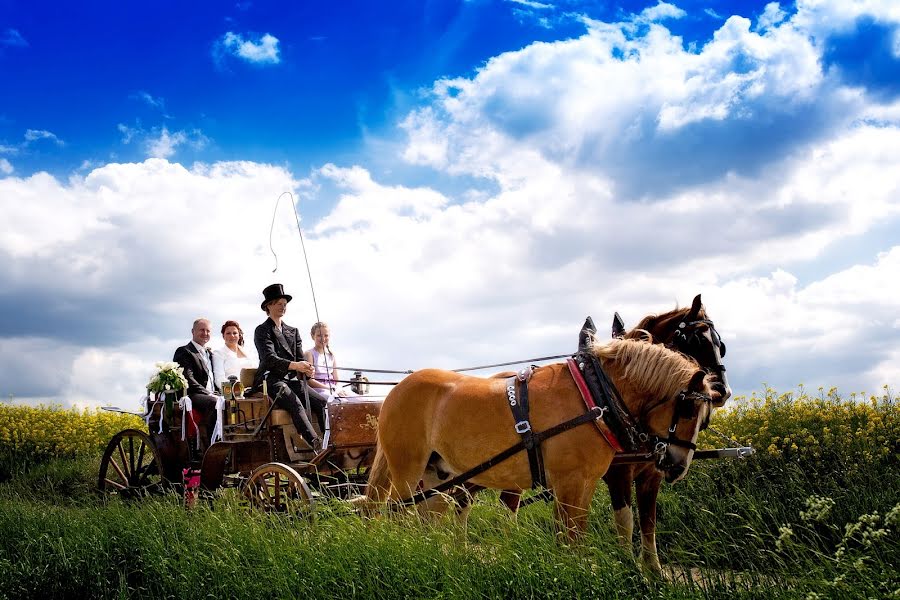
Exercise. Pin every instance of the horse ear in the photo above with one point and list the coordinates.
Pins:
(618, 326)
(697, 384)
(695, 308)
(587, 331)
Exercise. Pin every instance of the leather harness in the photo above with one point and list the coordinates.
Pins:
(604, 408)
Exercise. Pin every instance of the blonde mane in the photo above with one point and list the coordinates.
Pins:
(661, 371)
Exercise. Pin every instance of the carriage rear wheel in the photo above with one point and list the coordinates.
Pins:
(277, 487)
(131, 466)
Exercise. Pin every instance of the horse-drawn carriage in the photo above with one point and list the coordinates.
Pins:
(260, 452)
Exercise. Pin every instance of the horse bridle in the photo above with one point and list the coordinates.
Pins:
(688, 335)
(683, 410)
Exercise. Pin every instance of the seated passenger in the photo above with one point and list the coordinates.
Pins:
(281, 361)
(197, 361)
(231, 358)
(321, 358)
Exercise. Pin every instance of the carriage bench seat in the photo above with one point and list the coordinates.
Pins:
(279, 416)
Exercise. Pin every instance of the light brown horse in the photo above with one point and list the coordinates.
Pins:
(688, 330)
(460, 421)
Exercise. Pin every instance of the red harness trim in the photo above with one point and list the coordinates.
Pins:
(602, 427)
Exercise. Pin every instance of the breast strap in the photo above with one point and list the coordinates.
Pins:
(517, 397)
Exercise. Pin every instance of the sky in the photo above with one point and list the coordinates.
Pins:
(472, 179)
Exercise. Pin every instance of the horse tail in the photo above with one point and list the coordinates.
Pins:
(378, 488)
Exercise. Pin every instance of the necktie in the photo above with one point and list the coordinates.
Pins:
(207, 364)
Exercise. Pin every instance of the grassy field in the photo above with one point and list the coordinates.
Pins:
(815, 514)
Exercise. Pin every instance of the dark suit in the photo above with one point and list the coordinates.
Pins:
(197, 377)
(277, 350)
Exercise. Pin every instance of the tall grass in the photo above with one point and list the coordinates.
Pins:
(778, 525)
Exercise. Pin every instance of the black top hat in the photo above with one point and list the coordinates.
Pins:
(273, 292)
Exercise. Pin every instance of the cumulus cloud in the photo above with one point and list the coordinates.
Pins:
(611, 182)
(122, 260)
(6, 167)
(258, 50)
(660, 12)
(634, 104)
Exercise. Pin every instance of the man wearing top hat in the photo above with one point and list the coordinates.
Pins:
(281, 361)
(197, 361)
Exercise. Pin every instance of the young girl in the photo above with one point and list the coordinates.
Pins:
(321, 358)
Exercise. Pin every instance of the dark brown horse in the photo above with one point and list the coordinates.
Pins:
(460, 421)
(688, 330)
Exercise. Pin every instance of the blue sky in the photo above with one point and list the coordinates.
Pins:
(473, 177)
(341, 70)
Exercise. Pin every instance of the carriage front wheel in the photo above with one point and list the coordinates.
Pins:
(277, 487)
(131, 466)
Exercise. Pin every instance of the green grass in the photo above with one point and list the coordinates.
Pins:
(782, 524)
(59, 540)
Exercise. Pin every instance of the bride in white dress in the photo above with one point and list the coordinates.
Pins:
(231, 358)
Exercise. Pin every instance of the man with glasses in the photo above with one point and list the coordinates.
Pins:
(281, 362)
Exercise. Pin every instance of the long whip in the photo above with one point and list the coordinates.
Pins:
(312, 288)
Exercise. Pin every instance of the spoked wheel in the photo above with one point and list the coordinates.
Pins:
(131, 466)
(276, 487)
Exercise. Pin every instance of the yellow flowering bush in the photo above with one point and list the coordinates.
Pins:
(816, 429)
(57, 432)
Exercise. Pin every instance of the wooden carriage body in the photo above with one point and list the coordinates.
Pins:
(259, 442)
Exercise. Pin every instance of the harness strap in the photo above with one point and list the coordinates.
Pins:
(604, 393)
(602, 427)
(517, 397)
(591, 415)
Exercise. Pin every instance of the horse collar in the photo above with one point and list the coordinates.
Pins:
(617, 426)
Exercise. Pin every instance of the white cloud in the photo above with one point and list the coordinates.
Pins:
(164, 146)
(128, 133)
(33, 135)
(409, 276)
(772, 15)
(263, 51)
(618, 102)
(6, 167)
(159, 142)
(531, 4)
(150, 100)
(662, 11)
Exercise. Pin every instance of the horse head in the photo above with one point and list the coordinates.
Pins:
(682, 420)
(666, 394)
(693, 333)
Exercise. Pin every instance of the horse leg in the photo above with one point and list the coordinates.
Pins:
(647, 491)
(571, 507)
(619, 479)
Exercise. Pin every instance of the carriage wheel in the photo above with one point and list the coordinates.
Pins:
(131, 466)
(276, 487)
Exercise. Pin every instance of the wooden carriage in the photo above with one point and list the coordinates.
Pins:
(260, 452)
